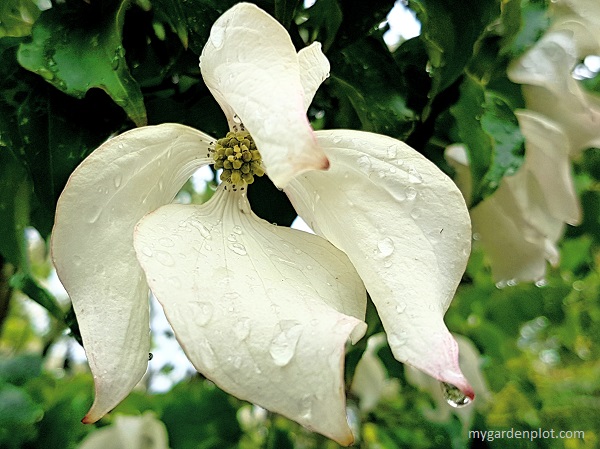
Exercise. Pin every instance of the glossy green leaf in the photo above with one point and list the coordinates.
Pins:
(450, 30)
(79, 49)
(285, 11)
(191, 20)
(322, 23)
(17, 17)
(524, 22)
(365, 73)
(361, 19)
(490, 131)
(48, 133)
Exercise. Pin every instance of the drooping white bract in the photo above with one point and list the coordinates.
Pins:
(546, 73)
(441, 411)
(519, 225)
(263, 311)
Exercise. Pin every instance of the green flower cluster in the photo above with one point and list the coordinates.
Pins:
(237, 155)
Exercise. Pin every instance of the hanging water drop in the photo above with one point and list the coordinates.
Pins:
(453, 396)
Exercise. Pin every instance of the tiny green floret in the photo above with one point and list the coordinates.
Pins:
(237, 155)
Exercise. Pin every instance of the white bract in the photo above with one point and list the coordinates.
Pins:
(519, 225)
(263, 311)
(440, 410)
(129, 432)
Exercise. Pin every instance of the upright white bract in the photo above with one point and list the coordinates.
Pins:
(264, 312)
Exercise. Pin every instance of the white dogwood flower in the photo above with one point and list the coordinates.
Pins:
(520, 224)
(263, 311)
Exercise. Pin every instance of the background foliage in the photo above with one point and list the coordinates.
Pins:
(74, 72)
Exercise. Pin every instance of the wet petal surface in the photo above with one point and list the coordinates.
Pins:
(92, 247)
(405, 227)
(262, 311)
(251, 67)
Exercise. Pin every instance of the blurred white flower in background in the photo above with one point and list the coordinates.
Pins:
(129, 432)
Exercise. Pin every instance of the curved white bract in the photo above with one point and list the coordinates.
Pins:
(262, 311)
(92, 246)
(405, 227)
(251, 67)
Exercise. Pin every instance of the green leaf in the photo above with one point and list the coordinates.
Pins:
(78, 49)
(524, 22)
(361, 19)
(490, 131)
(14, 205)
(48, 133)
(322, 23)
(18, 415)
(17, 17)
(285, 11)
(19, 369)
(450, 30)
(197, 412)
(43, 297)
(366, 74)
(191, 20)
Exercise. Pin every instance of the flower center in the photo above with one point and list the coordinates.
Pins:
(237, 155)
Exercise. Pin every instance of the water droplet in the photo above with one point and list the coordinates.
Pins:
(237, 362)
(283, 345)
(237, 248)
(118, 180)
(175, 282)
(397, 339)
(309, 267)
(411, 193)
(401, 307)
(204, 231)
(77, 260)
(202, 312)
(306, 407)
(337, 139)
(541, 282)
(385, 247)
(147, 251)
(415, 213)
(237, 119)
(392, 152)
(164, 258)
(364, 163)
(232, 238)
(242, 330)
(217, 34)
(150, 356)
(414, 176)
(207, 354)
(454, 396)
(237, 230)
(166, 241)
